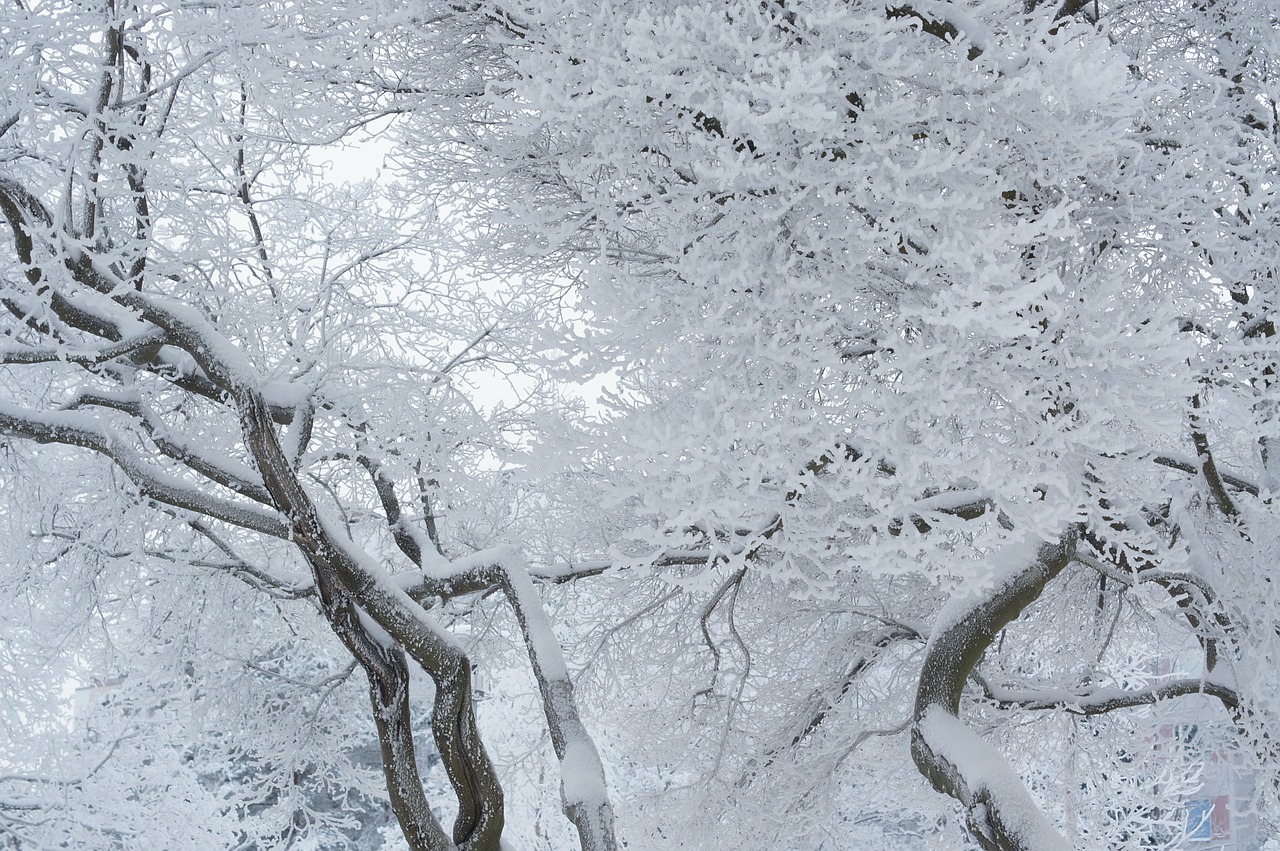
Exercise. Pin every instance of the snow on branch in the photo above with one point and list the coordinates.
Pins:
(586, 799)
(1175, 462)
(1096, 701)
(346, 576)
(1000, 813)
(84, 357)
(229, 473)
(947, 22)
(71, 429)
(583, 787)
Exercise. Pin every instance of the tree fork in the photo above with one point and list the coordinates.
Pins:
(388, 676)
(480, 800)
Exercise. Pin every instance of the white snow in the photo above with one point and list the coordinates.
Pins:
(1002, 568)
(983, 768)
(581, 774)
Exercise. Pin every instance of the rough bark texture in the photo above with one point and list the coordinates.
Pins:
(953, 651)
(389, 697)
(480, 802)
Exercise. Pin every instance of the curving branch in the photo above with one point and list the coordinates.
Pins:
(388, 675)
(337, 565)
(229, 474)
(1194, 595)
(999, 811)
(369, 613)
(730, 584)
(71, 429)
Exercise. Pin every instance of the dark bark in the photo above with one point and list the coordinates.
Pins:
(953, 651)
(349, 589)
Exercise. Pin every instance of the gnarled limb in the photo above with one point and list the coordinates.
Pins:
(480, 800)
(388, 675)
(1000, 813)
(350, 585)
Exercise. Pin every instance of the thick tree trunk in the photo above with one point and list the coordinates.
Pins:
(1000, 813)
(389, 699)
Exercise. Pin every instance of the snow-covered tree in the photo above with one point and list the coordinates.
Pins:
(234, 395)
(937, 351)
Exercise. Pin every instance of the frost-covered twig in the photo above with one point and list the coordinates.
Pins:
(1096, 701)
(74, 429)
(1173, 462)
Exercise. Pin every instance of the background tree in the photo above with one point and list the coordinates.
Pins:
(938, 355)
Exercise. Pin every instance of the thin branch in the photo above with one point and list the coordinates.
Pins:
(1208, 467)
(174, 81)
(876, 648)
(261, 578)
(703, 621)
(428, 511)
(458, 358)
(246, 198)
(240, 479)
(72, 430)
(397, 523)
(630, 619)
(1097, 701)
(869, 734)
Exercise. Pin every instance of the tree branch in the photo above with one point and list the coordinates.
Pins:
(1097, 701)
(582, 781)
(241, 479)
(72, 430)
(1208, 467)
(957, 762)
